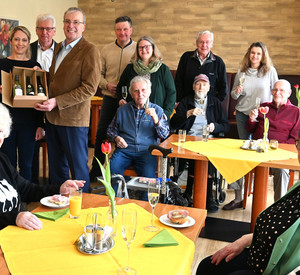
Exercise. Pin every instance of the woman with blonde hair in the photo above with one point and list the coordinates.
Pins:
(147, 62)
(27, 122)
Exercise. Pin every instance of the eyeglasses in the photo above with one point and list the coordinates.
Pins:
(48, 29)
(297, 143)
(281, 91)
(147, 47)
(204, 42)
(75, 22)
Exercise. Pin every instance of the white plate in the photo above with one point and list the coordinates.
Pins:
(165, 220)
(45, 201)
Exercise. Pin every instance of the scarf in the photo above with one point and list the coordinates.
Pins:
(141, 69)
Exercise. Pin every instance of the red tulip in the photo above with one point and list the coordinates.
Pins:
(264, 110)
(106, 148)
(296, 86)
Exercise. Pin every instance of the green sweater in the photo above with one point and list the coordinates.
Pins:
(163, 92)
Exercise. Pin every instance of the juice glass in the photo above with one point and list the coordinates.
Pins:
(75, 197)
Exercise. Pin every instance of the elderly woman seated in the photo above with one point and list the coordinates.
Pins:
(14, 189)
(193, 114)
(136, 126)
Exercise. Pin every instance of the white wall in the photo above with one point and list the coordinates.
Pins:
(26, 12)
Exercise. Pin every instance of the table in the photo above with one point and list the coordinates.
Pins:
(93, 200)
(201, 171)
(96, 103)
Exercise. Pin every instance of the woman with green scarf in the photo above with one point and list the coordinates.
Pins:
(147, 62)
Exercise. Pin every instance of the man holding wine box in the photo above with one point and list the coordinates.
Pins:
(73, 79)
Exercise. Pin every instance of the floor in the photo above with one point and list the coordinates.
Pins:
(206, 247)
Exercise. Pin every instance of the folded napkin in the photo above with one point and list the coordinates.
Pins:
(163, 238)
(52, 215)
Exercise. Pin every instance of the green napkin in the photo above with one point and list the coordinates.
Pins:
(163, 238)
(52, 215)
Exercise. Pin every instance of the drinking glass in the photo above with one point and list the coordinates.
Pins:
(75, 197)
(153, 198)
(124, 92)
(205, 133)
(181, 135)
(129, 222)
(257, 104)
(202, 100)
(242, 79)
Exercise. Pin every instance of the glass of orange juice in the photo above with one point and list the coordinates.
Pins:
(75, 197)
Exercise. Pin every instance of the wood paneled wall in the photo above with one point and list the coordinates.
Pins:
(175, 24)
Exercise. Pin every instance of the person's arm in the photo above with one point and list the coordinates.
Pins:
(236, 89)
(113, 130)
(183, 115)
(179, 78)
(162, 127)
(221, 124)
(221, 85)
(125, 79)
(231, 250)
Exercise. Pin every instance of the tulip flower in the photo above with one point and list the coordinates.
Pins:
(264, 110)
(110, 192)
(297, 94)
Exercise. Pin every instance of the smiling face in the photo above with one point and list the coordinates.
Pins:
(140, 92)
(204, 44)
(255, 57)
(45, 32)
(281, 92)
(123, 32)
(201, 88)
(19, 43)
(145, 49)
(73, 26)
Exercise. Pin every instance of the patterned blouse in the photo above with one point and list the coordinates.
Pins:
(270, 224)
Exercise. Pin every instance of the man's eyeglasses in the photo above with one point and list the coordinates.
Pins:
(147, 47)
(75, 22)
(297, 143)
(48, 29)
(204, 42)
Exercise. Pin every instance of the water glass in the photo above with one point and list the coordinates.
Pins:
(205, 133)
(75, 197)
(181, 136)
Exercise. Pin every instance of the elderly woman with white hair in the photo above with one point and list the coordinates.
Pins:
(14, 189)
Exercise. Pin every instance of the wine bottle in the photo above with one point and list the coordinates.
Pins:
(29, 88)
(17, 86)
(41, 90)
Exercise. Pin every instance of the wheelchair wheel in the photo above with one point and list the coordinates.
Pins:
(222, 196)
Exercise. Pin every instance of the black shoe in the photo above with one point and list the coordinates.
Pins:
(212, 206)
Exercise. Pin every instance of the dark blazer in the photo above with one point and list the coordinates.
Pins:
(34, 47)
(73, 85)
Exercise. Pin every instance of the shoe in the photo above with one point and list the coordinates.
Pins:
(212, 206)
(233, 205)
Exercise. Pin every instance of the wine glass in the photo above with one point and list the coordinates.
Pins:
(124, 92)
(242, 79)
(202, 100)
(257, 104)
(129, 222)
(153, 197)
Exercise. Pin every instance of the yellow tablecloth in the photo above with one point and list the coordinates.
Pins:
(51, 250)
(232, 161)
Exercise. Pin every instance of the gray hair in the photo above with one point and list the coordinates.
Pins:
(46, 16)
(286, 84)
(205, 32)
(75, 9)
(137, 79)
(5, 120)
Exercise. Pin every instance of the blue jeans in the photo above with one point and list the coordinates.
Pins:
(21, 140)
(143, 163)
(68, 151)
(241, 120)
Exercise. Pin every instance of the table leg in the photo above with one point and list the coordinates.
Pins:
(200, 183)
(260, 193)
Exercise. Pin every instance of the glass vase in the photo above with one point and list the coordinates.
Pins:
(111, 220)
(265, 144)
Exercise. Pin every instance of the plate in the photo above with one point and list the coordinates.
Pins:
(108, 244)
(45, 201)
(165, 220)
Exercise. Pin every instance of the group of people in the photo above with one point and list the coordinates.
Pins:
(139, 118)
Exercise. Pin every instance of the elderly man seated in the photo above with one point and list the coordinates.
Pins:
(284, 121)
(192, 114)
(136, 126)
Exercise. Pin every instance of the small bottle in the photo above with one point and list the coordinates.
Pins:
(41, 90)
(29, 88)
(17, 86)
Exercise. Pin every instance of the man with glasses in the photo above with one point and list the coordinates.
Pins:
(42, 52)
(114, 58)
(284, 124)
(74, 77)
(201, 61)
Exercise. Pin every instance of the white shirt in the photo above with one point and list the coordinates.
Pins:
(45, 57)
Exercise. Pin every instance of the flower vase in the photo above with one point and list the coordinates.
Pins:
(265, 144)
(111, 220)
